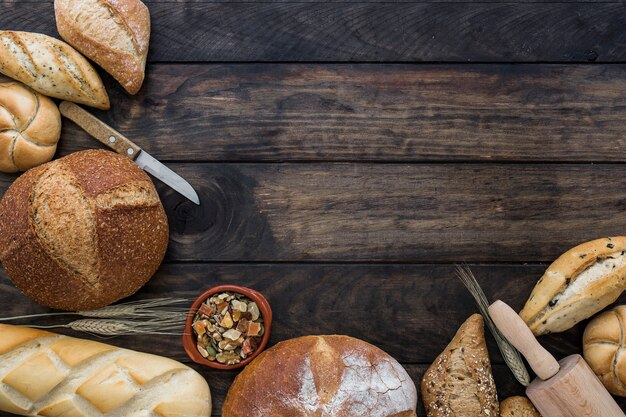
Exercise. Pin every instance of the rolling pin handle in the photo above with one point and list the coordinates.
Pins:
(517, 332)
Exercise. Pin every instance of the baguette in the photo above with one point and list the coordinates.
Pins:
(51, 67)
(49, 375)
(113, 33)
(581, 282)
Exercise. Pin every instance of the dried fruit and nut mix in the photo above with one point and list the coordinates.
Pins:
(229, 328)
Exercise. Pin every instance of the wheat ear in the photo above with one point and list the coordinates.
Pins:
(511, 356)
(110, 328)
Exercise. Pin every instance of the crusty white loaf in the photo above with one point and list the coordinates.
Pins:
(581, 282)
(49, 375)
(322, 376)
(113, 33)
(30, 126)
(51, 67)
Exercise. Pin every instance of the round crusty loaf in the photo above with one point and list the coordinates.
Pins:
(603, 349)
(30, 127)
(322, 376)
(518, 407)
(83, 231)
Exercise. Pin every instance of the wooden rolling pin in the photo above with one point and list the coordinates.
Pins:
(568, 388)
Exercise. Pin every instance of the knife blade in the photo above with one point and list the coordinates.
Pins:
(124, 146)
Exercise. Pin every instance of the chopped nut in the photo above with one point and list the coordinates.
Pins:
(232, 334)
(254, 310)
(202, 351)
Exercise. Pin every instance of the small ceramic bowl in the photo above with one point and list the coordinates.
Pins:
(189, 337)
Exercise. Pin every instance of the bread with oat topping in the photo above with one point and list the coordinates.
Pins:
(460, 383)
(518, 407)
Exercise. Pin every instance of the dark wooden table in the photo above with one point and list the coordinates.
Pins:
(348, 154)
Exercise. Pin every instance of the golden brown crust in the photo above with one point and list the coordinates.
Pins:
(548, 311)
(518, 407)
(322, 376)
(51, 67)
(30, 127)
(127, 18)
(75, 256)
(459, 382)
(46, 374)
(603, 347)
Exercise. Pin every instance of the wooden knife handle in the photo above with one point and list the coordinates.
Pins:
(517, 332)
(100, 130)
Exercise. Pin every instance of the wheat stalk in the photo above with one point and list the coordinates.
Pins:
(151, 308)
(511, 356)
(111, 327)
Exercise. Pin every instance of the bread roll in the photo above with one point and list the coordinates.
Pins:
(459, 383)
(604, 347)
(83, 231)
(51, 67)
(581, 282)
(113, 33)
(30, 127)
(322, 376)
(49, 375)
(518, 407)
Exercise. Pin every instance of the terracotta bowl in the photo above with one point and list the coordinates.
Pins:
(189, 337)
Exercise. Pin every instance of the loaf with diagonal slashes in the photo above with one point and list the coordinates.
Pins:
(49, 375)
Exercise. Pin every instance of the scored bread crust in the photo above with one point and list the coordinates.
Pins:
(518, 407)
(604, 347)
(51, 67)
(460, 382)
(322, 376)
(30, 127)
(546, 311)
(120, 217)
(129, 19)
(50, 375)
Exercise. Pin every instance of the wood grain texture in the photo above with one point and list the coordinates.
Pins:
(351, 112)
(391, 212)
(410, 311)
(376, 32)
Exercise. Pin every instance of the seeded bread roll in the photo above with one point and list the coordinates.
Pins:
(49, 375)
(459, 383)
(30, 126)
(51, 67)
(113, 33)
(322, 376)
(518, 407)
(604, 347)
(581, 282)
(83, 231)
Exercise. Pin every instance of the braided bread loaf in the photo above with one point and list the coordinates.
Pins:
(30, 126)
(603, 347)
(49, 375)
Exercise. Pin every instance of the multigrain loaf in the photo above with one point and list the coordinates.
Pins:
(322, 376)
(30, 127)
(580, 283)
(518, 407)
(83, 231)
(113, 33)
(51, 67)
(460, 383)
(49, 375)
(604, 349)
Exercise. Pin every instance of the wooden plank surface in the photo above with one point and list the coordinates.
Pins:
(391, 212)
(375, 32)
(313, 112)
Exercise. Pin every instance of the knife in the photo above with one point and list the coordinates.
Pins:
(122, 145)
